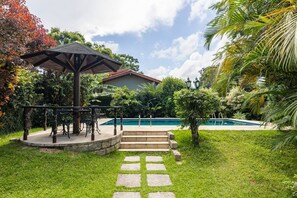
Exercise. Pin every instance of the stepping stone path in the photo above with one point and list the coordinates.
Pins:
(131, 167)
(134, 180)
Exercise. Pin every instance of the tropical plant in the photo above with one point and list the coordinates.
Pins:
(149, 97)
(126, 98)
(167, 87)
(194, 108)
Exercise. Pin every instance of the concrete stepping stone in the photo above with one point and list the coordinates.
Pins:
(153, 167)
(161, 195)
(153, 159)
(126, 195)
(158, 180)
(131, 167)
(128, 180)
(132, 159)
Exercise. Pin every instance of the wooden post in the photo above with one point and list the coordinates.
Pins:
(25, 124)
(115, 121)
(121, 118)
(55, 126)
(45, 119)
(93, 124)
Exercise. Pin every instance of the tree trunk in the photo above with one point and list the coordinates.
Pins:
(195, 135)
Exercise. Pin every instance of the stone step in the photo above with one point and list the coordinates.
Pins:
(145, 150)
(148, 138)
(144, 145)
(142, 133)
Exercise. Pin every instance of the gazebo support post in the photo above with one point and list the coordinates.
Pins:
(115, 121)
(26, 124)
(93, 124)
(121, 118)
(55, 126)
(76, 99)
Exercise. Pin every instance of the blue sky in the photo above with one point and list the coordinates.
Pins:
(166, 36)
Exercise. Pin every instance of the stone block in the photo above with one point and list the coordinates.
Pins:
(131, 167)
(101, 152)
(173, 144)
(171, 135)
(117, 146)
(158, 180)
(110, 149)
(128, 180)
(95, 146)
(155, 167)
(177, 155)
(106, 143)
(153, 159)
(161, 195)
(113, 141)
(126, 195)
(132, 159)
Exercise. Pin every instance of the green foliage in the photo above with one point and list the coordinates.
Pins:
(128, 61)
(262, 44)
(208, 76)
(233, 102)
(126, 98)
(69, 37)
(91, 84)
(56, 88)
(194, 108)
(167, 87)
(24, 95)
(149, 98)
(252, 170)
(239, 115)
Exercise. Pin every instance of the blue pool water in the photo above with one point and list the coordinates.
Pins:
(176, 121)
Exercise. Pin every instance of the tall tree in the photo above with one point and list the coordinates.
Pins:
(208, 76)
(20, 33)
(66, 37)
(128, 61)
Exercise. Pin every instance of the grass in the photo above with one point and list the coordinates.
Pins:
(228, 164)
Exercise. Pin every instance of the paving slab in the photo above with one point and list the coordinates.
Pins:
(128, 180)
(132, 159)
(126, 195)
(153, 167)
(158, 180)
(162, 195)
(153, 159)
(131, 167)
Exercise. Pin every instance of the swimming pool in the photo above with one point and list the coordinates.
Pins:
(176, 122)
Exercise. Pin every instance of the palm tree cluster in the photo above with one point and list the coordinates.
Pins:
(260, 55)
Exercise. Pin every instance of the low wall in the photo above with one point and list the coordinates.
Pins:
(101, 147)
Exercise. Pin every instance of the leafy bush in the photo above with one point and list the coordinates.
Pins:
(239, 115)
(194, 108)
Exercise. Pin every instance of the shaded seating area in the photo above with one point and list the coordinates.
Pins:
(62, 119)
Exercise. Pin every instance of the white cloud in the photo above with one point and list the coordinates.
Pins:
(110, 44)
(199, 9)
(190, 67)
(180, 49)
(100, 17)
(158, 73)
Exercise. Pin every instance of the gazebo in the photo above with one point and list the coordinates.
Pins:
(75, 58)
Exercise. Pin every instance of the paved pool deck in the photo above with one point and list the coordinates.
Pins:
(43, 139)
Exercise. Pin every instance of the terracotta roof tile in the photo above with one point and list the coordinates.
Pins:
(124, 72)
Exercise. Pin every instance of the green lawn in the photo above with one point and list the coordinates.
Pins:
(228, 164)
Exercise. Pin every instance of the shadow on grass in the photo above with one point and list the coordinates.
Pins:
(201, 156)
(283, 159)
(64, 171)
